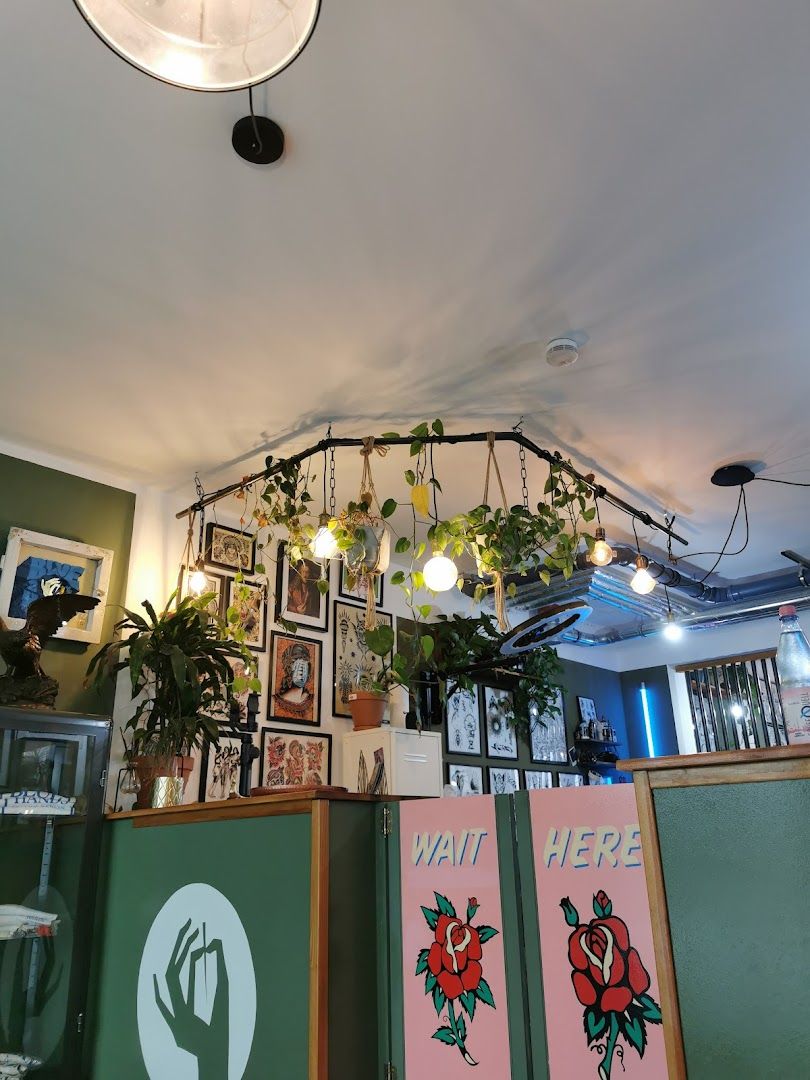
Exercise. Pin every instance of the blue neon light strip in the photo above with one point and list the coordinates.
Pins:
(645, 707)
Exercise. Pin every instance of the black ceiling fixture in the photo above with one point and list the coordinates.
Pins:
(212, 46)
(733, 475)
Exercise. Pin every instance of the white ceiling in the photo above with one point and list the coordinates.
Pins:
(463, 179)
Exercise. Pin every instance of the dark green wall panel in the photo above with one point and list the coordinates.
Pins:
(60, 504)
(262, 866)
(736, 861)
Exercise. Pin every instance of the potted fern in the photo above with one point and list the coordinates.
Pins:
(179, 664)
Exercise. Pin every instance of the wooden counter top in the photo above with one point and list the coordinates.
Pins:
(724, 766)
(284, 802)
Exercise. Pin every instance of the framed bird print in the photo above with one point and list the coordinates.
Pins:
(295, 679)
(37, 565)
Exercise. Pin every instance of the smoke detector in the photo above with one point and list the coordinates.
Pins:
(562, 352)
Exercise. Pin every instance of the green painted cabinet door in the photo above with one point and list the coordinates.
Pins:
(203, 953)
(736, 861)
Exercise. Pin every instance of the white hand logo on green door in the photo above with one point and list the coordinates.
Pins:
(196, 990)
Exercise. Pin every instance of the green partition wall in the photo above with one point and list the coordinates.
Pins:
(736, 862)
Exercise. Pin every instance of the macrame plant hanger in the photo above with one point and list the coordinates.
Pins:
(364, 572)
(497, 575)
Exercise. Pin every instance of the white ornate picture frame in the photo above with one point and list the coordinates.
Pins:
(95, 564)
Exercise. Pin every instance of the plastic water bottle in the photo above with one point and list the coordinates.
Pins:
(793, 665)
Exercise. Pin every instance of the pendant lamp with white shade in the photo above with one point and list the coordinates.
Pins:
(205, 44)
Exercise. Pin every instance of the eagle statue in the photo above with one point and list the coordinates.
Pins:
(24, 682)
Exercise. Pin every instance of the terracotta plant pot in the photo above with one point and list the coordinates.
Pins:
(148, 769)
(367, 708)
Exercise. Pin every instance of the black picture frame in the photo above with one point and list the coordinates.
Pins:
(319, 621)
(538, 772)
(213, 548)
(506, 733)
(231, 743)
(451, 767)
(455, 750)
(573, 779)
(257, 645)
(301, 734)
(502, 769)
(557, 727)
(586, 707)
(317, 644)
(340, 634)
(346, 594)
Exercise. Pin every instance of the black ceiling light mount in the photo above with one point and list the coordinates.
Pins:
(212, 46)
(257, 139)
(733, 475)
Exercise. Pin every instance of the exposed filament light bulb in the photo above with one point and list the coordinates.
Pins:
(673, 631)
(601, 552)
(642, 581)
(197, 580)
(324, 544)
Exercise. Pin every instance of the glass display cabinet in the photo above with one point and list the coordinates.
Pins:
(52, 776)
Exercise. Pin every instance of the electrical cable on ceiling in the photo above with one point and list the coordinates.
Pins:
(790, 483)
(742, 503)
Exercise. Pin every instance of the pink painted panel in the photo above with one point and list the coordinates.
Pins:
(595, 936)
(449, 859)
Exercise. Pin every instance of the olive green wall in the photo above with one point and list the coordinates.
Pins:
(60, 504)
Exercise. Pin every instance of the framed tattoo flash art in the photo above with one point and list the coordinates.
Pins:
(294, 759)
(219, 769)
(503, 781)
(468, 779)
(463, 723)
(298, 598)
(587, 709)
(535, 780)
(498, 711)
(215, 584)
(252, 612)
(295, 679)
(230, 549)
(548, 741)
(36, 565)
(567, 779)
(352, 660)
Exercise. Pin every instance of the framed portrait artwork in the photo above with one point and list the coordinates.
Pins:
(295, 758)
(463, 733)
(230, 549)
(252, 612)
(587, 709)
(352, 660)
(535, 779)
(219, 769)
(353, 590)
(295, 679)
(498, 712)
(503, 781)
(468, 779)
(547, 735)
(36, 565)
(298, 598)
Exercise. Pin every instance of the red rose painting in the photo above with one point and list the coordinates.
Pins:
(453, 970)
(610, 981)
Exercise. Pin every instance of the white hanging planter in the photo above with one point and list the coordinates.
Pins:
(371, 551)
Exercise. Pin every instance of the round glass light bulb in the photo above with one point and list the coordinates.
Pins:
(601, 552)
(440, 573)
(673, 631)
(325, 544)
(204, 44)
(197, 582)
(642, 581)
